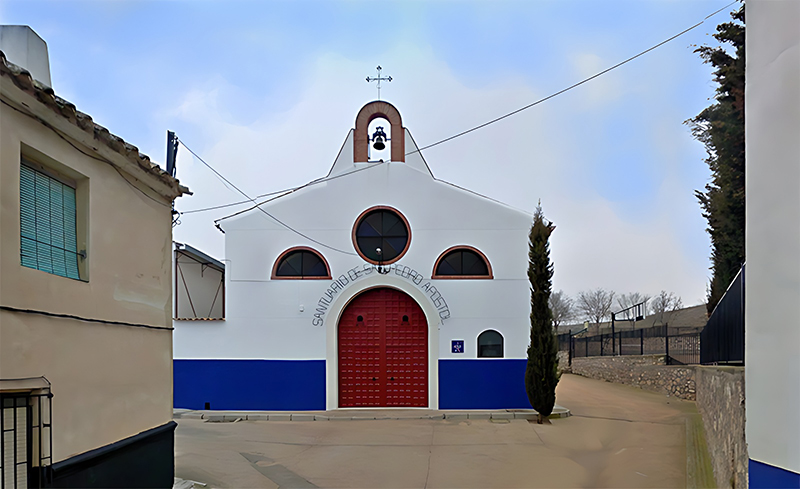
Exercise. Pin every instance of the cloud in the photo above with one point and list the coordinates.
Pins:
(602, 91)
(536, 154)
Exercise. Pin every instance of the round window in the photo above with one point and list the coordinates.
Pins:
(381, 235)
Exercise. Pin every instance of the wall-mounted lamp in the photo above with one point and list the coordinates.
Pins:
(381, 269)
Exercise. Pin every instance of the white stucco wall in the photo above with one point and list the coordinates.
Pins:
(274, 319)
(772, 319)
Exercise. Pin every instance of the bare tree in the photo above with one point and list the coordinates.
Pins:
(563, 308)
(665, 303)
(625, 301)
(595, 304)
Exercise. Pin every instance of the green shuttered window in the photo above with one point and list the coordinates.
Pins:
(48, 237)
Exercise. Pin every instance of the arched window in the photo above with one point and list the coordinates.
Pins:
(301, 263)
(462, 262)
(490, 344)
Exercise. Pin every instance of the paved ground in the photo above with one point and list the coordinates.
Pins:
(618, 436)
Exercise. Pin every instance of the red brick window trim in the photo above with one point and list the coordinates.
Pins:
(301, 263)
(451, 263)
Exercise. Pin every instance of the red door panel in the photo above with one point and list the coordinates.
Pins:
(383, 351)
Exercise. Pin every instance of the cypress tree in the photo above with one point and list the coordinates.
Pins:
(720, 128)
(541, 373)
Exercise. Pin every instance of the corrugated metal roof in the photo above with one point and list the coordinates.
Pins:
(199, 255)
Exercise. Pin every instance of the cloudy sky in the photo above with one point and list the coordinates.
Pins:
(267, 91)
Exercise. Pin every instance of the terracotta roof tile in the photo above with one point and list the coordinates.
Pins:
(23, 79)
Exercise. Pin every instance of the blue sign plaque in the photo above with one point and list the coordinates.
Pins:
(458, 346)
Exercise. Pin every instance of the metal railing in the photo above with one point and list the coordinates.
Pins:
(723, 336)
(679, 346)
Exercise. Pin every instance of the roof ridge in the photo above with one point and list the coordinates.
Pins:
(23, 79)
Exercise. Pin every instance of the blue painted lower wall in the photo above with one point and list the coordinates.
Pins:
(482, 384)
(768, 476)
(250, 384)
(299, 385)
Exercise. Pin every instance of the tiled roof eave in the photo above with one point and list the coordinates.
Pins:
(47, 97)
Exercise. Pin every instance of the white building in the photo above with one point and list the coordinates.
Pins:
(311, 323)
(772, 328)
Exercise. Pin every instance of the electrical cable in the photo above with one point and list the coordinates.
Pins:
(284, 191)
(257, 205)
(480, 126)
(309, 184)
(223, 206)
(313, 182)
(80, 318)
(58, 133)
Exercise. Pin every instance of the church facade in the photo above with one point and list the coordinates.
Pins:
(376, 286)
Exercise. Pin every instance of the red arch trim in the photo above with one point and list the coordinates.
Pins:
(358, 221)
(460, 277)
(366, 115)
(275, 275)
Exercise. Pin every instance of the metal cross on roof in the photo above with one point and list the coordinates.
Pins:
(378, 79)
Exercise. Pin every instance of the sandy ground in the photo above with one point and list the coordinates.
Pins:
(618, 436)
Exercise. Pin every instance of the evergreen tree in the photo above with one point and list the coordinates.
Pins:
(541, 373)
(720, 128)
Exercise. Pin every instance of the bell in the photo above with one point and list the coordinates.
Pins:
(379, 139)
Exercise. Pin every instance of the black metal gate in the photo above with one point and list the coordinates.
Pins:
(15, 425)
(25, 449)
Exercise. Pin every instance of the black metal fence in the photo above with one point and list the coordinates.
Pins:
(679, 346)
(722, 339)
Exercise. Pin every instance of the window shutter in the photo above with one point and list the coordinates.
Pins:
(57, 228)
(48, 237)
(27, 218)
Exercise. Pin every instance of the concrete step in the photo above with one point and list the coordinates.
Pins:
(361, 414)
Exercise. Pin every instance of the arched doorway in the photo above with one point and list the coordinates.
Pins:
(383, 351)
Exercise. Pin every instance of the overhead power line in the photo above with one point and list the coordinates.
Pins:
(309, 184)
(462, 133)
(498, 119)
(90, 155)
(284, 191)
(258, 205)
(223, 206)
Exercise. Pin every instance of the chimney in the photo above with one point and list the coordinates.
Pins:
(23, 47)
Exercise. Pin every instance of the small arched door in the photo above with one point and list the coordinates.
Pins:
(383, 351)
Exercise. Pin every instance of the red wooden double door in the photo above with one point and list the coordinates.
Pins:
(383, 351)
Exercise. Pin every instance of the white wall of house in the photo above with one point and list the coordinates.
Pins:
(772, 318)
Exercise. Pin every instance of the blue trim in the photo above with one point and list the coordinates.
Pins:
(483, 384)
(768, 476)
(279, 385)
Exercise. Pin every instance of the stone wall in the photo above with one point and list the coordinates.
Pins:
(718, 391)
(720, 401)
(563, 362)
(646, 371)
